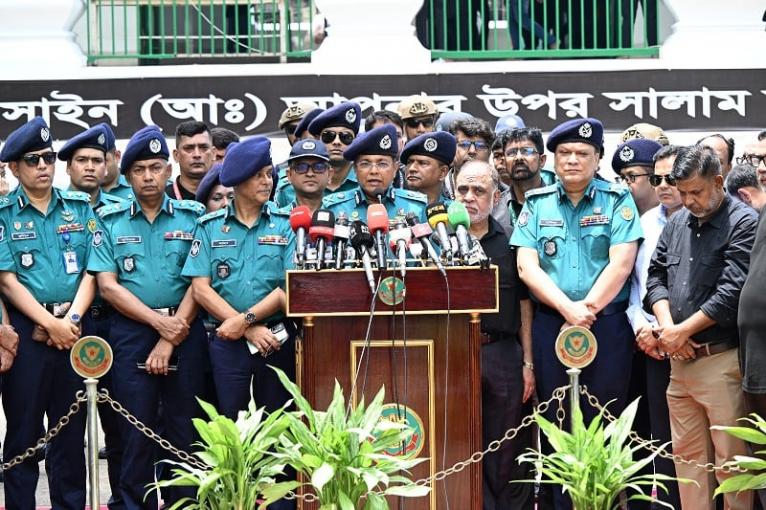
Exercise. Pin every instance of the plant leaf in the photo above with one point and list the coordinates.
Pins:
(322, 475)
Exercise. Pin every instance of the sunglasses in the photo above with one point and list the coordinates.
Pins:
(631, 178)
(414, 123)
(329, 136)
(34, 159)
(319, 167)
(655, 180)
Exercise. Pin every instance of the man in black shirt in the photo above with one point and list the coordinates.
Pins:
(695, 278)
(195, 156)
(507, 376)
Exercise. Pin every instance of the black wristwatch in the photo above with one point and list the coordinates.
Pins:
(250, 318)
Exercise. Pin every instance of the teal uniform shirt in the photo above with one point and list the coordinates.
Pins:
(287, 209)
(105, 199)
(146, 257)
(48, 252)
(398, 203)
(573, 242)
(244, 264)
(285, 193)
(122, 189)
(547, 177)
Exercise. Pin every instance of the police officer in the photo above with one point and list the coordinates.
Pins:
(419, 115)
(291, 117)
(374, 157)
(85, 155)
(302, 129)
(114, 182)
(211, 192)
(159, 344)
(44, 238)
(577, 244)
(427, 159)
(309, 171)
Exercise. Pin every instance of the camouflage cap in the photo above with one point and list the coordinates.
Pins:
(648, 131)
(416, 106)
(295, 112)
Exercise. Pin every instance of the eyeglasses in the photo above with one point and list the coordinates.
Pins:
(414, 123)
(655, 180)
(319, 167)
(478, 145)
(527, 152)
(329, 136)
(752, 159)
(34, 159)
(631, 178)
(383, 166)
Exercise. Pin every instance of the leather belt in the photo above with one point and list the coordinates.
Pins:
(98, 312)
(711, 348)
(58, 310)
(610, 309)
(167, 311)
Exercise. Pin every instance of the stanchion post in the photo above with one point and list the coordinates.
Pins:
(574, 390)
(91, 388)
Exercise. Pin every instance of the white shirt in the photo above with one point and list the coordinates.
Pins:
(652, 223)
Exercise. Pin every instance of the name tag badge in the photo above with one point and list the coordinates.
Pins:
(23, 236)
(70, 262)
(552, 223)
(128, 239)
(224, 243)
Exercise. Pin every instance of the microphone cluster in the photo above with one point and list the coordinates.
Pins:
(323, 241)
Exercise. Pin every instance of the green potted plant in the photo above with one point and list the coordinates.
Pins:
(341, 453)
(595, 464)
(755, 476)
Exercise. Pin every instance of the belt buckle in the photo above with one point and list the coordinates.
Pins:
(165, 312)
(60, 309)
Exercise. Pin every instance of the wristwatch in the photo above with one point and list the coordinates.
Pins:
(250, 318)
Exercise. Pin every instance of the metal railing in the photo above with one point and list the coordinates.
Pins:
(153, 31)
(503, 29)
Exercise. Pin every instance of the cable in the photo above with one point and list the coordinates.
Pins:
(365, 348)
(446, 400)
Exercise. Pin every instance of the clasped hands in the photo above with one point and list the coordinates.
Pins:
(661, 342)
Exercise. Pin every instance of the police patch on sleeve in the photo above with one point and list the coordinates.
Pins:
(626, 213)
(194, 251)
(523, 218)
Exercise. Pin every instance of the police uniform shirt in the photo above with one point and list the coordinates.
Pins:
(514, 205)
(122, 189)
(105, 199)
(398, 203)
(244, 264)
(286, 192)
(146, 257)
(573, 242)
(43, 249)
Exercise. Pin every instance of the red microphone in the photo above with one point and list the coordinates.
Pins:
(322, 232)
(300, 222)
(377, 222)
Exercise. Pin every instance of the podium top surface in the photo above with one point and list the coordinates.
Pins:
(338, 293)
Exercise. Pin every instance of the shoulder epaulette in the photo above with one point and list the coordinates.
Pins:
(111, 199)
(209, 216)
(5, 202)
(189, 205)
(337, 198)
(279, 211)
(75, 195)
(412, 195)
(545, 190)
(112, 208)
(612, 187)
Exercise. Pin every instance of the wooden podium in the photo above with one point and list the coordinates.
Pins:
(428, 359)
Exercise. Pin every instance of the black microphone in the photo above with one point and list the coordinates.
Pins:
(342, 233)
(321, 232)
(361, 240)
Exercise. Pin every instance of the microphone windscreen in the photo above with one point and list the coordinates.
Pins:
(318, 231)
(323, 218)
(377, 218)
(421, 230)
(394, 243)
(360, 235)
(436, 213)
(458, 215)
(300, 217)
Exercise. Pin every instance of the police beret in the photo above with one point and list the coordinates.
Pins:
(303, 125)
(295, 112)
(110, 138)
(588, 130)
(416, 106)
(245, 159)
(146, 143)
(439, 145)
(93, 138)
(644, 130)
(508, 122)
(32, 136)
(211, 179)
(309, 149)
(379, 141)
(347, 114)
(635, 153)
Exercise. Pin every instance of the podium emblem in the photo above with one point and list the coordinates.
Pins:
(91, 357)
(576, 347)
(391, 291)
(406, 416)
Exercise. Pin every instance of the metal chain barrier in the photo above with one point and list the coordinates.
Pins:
(52, 432)
(649, 445)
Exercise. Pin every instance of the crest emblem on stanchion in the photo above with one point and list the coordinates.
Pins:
(91, 357)
(576, 347)
(391, 291)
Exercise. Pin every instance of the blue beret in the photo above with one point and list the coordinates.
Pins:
(439, 145)
(638, 152)
(347, 114)
(303, 125)
(309, 149)
(146, 143)
(588, 130)
(381, 141)
(32, 136)
(245, 159)
(93, 138)
(110, 138)
(211, 179)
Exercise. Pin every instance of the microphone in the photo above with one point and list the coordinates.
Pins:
(377, 221)
(321, 232)
(300, 222)
(361, 240)
(460, 222)
(438, 219)
(399, 240)
(421, 232)
(341, 233)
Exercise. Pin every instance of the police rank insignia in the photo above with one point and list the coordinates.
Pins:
(67, 215)
(550, 248)
(385, 142)
(350, 116)
(2, 232)
(626, 213)
(45, 134)
(92, 225)
(155, 146)
(431, 144)
(225, 228)
(128, 264)
(586, 130)
(27, 260)
(523, 218)
(627, 154)
(98, 238)
(101, 139)
(223, 271)
(194, 251)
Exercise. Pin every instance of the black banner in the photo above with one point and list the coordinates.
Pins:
(685, 99)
